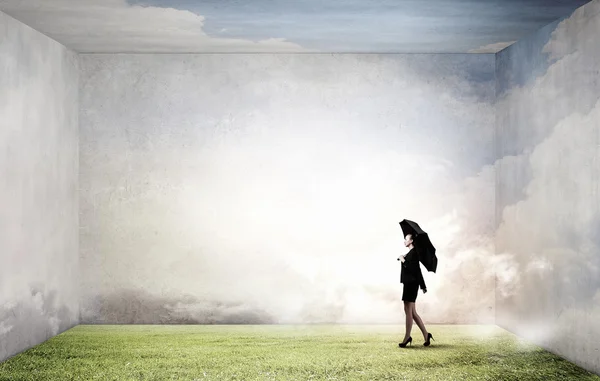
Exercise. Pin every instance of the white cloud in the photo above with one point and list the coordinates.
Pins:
(291, 203)
(566, 87)
(539, 265)
(548, 234)
(578, 33)
(114, 26)
(562, 193)
(551, 232)
(513, 174)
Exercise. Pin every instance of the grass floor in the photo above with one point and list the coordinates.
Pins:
(194, 352)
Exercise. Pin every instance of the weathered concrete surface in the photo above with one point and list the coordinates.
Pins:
(548, 181)
(38, 187)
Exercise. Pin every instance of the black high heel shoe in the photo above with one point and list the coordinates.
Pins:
(409, 341)
(429, 336)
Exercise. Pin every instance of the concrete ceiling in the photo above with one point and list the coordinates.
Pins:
(243, 26)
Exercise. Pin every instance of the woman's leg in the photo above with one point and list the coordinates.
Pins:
(418, 320)
(408, 308)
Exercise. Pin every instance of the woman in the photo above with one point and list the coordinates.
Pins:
(411, 277)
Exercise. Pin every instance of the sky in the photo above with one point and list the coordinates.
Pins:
(382, 26)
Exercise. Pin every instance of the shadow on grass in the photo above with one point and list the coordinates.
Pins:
(431, 347)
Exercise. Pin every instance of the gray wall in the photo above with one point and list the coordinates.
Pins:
(548, 195)
(268, 188)
(38, 187)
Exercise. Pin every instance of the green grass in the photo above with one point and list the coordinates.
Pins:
(194, 352)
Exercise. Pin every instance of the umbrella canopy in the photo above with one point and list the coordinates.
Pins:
(422, 243)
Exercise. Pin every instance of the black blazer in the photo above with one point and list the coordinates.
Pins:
(411, 269)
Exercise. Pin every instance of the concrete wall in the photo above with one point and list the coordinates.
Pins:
(268, 188)
(38, 187)
(245, 188)
(548, 190)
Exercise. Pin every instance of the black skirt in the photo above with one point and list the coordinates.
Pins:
(409, 292)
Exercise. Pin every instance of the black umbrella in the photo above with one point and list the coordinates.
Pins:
(421, 241)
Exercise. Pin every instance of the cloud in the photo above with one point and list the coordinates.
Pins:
(530, 119)
(28, 320)
(552, 238)
(550, 226)
(513, 176)
(113, 26)
(576, 34)
(492, 48)
(551, 223)
(552, 231)
(463, 289)
(550, 179)
(280, 181)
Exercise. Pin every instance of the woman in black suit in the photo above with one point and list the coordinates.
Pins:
(411, 277)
